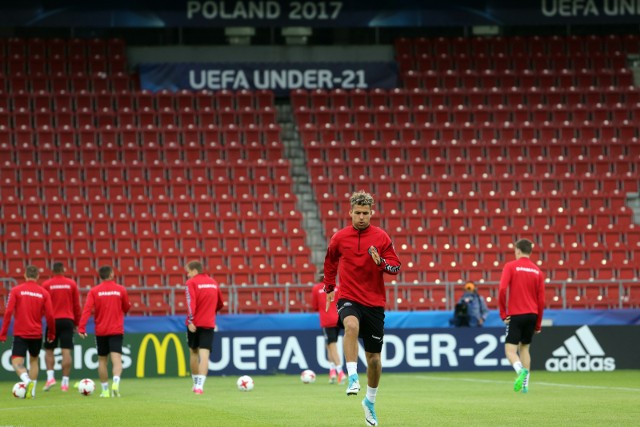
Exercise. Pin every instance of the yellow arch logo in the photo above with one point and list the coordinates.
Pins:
(161, 354)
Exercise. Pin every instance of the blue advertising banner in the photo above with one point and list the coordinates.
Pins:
(281, 78)
(404, 350)
(315, 13)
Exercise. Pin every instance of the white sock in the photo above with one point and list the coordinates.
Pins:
(50, 374)
(332, 365)
(352, 368)
(371, 394)
(200, 379)
(116, 379)
(338, 368)
(517, 366)
(105, 386)
(33, 390)
(525, 383)
(195, 381)
(25, 378)
(65, 381)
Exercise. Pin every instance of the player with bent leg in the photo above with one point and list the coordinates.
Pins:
(360, 255)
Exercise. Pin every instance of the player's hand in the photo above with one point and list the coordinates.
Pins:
(507, 320)
(330, 296)
(82, 335)
(375, 256)
(192, 328)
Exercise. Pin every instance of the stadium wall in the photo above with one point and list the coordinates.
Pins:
(580, 340)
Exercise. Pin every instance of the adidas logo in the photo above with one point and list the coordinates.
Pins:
(580, 352)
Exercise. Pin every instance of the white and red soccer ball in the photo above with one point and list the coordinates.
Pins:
(245, 383)
(308, 376)
(86, 387)
(20, 390)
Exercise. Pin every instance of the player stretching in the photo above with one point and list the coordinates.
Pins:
(522, 311)
(360, 254)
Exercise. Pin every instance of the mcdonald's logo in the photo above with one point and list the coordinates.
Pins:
(161, 354)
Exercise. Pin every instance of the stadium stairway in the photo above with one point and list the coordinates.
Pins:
(307, 203)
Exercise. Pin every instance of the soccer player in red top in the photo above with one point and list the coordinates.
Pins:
(66, 310)
(110, 302)
(204, 300)
(330, 330)
(521, 299)
(29, 301)
(360, 255)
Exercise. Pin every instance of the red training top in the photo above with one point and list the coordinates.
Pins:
(204, 300)
(64, 297)
(111, 302)
(361, 280)
(30, 302)
(525, 283)
(328, 319)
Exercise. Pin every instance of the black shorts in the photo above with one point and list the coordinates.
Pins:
(21, 345)
(521, 328)
(109, 344)
(331, 334)
(64, 335)
(371, 321)
(201, 338)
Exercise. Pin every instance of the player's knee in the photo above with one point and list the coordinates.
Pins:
(351, 327)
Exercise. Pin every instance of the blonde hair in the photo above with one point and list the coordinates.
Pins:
(361, 198)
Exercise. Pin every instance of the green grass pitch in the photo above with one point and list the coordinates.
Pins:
(417, 399)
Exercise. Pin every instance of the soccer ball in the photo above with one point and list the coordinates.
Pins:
(308, 376)
(245, 383)
(86, 387)
(20, 390)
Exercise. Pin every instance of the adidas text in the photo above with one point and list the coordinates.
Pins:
(580, 352)
(581, 364)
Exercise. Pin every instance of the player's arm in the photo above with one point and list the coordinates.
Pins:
(86, 313)
(331, 260)
(77, 310)
(386, 258)
(540, 303)
(126, 304)
(314, 298)
(505, 279)
(6, 320)
(48, 314)
(191, 306)
(220, 303)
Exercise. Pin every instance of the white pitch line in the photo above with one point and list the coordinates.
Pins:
(593, 387)
(22, 408)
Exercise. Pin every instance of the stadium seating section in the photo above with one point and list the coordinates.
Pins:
(487, 140)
